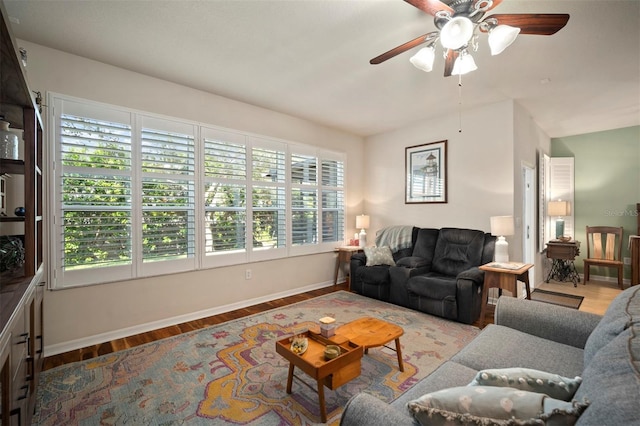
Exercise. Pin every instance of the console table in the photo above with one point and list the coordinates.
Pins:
(563, 254)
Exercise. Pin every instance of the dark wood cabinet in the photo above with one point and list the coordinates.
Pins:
(562, 255)
(22, 291)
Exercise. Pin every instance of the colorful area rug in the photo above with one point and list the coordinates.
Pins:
(231, 374)
(562, 299)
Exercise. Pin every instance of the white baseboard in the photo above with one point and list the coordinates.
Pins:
(58, 348)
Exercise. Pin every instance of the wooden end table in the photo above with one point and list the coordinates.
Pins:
(330, 373)
(344, 256)
(503, 276)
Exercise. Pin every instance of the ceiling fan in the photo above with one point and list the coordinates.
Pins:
(458, 23)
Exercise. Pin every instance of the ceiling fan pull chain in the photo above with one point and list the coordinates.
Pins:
(460, 103)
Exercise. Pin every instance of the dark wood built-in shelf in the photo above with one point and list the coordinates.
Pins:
(11, 219)
(21, 292)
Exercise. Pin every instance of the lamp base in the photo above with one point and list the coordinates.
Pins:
(502, 250)
(363, 238)
(559, 228)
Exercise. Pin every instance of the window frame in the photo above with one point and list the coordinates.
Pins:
(200, 260)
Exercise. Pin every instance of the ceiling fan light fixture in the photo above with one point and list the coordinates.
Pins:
(424, 58)
(464, 64)
(501, 37)
(456, 33)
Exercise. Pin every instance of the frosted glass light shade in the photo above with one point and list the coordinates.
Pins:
(456, 33)
(362, 221)
(501, 37)
(464, 64)
(502, 225)
(424, 58)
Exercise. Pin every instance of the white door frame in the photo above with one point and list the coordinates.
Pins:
(529, 218)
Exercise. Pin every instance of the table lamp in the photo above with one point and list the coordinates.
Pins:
(362, 222)
(559, 209)
(502, 226)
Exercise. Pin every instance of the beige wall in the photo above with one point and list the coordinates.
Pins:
(480, 169)
(82, 316)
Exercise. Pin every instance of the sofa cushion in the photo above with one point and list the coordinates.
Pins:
(447, 375)
(611, 382)
(379, 256)
(502, 347)
(492, 405)
(618, 317)
(528, 379)
(457, 250)
(412, 262)
(426, 243)
(432, 285)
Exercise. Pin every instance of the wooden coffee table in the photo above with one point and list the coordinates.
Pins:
(330, 373)
(371, 332)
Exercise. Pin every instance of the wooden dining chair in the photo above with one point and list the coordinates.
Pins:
(604, 248)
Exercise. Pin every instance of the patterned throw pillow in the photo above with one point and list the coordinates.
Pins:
(528, 379)
(379, 256)
(489, 405)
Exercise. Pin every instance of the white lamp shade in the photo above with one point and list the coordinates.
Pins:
(502, 225)
(424, 58)
(501, 37)
(362, 221)
(558, 208)
(464, 64)
(456, 33)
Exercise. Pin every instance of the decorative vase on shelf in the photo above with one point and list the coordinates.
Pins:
(8, 142)
(20, 211)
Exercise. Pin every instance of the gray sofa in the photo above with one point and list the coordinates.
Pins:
(435, 270)
(604, 351)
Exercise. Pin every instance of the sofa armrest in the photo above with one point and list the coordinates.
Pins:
(366, 410)
(551, 322)
(473, 274)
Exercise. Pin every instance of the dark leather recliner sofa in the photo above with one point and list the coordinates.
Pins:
(436, 273)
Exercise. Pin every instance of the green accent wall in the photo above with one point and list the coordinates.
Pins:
(607, 184)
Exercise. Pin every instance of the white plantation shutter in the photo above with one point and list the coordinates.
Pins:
(332, 200)
(168, 191)
(304, 199)
(225, 195)
(268, 194)
(561, 187)
(93, 201)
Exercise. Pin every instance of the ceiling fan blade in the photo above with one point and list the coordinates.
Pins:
(430, 6)
(495, 3)
(532, 23)
(404, 47)
(452, 55)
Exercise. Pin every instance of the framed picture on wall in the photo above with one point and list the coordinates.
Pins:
(426, 173)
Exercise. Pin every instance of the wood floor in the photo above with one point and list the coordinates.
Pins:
(597, 296)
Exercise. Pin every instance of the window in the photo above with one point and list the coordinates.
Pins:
(136, 195)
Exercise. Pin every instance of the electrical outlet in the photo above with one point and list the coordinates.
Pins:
(627, 261)
(247, 274)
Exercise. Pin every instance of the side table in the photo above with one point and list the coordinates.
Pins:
(344, 256)
(563, 254)
(503, 276)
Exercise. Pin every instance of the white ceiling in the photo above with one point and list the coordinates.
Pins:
(310, 58)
